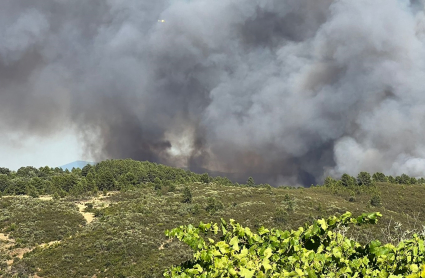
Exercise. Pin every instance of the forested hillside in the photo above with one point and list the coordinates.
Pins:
(110, 219)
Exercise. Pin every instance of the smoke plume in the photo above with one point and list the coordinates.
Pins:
(286, 91)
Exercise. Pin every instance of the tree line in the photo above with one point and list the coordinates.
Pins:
(364, 178)
(126, 174)
(108, 175)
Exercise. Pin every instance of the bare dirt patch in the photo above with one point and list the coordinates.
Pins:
(45, 198)
(19, 252)
(162, 247)
(44, 245)
(87, 215)
(98, 202)
(4, 237)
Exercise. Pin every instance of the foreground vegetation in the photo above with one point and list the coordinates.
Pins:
(133, 203)
(320, 250)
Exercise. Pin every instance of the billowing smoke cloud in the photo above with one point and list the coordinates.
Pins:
(282, 90)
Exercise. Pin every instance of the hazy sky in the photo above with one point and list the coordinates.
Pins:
(18, 150)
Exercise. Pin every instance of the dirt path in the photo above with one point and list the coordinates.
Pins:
(44, 245)
(98, 202)
(18, 252)
(7, 243)
(87, 215)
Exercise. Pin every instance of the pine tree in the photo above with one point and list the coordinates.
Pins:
(187, 195)
(250, 182)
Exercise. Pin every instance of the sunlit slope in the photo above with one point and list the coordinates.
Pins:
(127, 237)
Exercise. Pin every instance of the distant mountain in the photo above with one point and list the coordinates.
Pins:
(76, 164)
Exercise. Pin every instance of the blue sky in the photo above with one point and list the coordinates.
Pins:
(17, 150)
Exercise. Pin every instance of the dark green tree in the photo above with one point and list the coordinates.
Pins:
(205, 178)
(32, 191)
(4, 171)
(19, 186)
(4, 182)
(329, 181)
(91, 181)
(49, 188)
(363, 178)
(187, 195)
(376, 200)
(58, 170)
(250, 182)
(157, 183)
(38, 184)
(76, 171)
(348, 180)
(27, 172)
(403, 179)
(105, 180)
(80, 188)
(44, 172)
(86, 169)
(379, 177)
(131, 179)
(69, 181)
(58, 182)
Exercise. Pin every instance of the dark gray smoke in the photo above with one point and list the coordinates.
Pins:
(282, 90)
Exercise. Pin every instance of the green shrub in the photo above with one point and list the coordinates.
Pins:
(376, 201)
(213, 205)
(250, 182)
(280, 215)
(205, 178)
(187, 195)
(191, 209)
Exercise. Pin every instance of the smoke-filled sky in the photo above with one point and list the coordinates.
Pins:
(286, 91)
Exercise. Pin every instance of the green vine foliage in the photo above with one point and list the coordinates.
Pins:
(319, 250)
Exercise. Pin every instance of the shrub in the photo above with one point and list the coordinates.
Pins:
(280, 215)
(186, 209)
(213, 205)
(376, 201)
(289, 202)
(250, 182)
(89, 207)
(172, 188)
(56, 196)
(32, 191)
(187, 195)
(205, 178)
